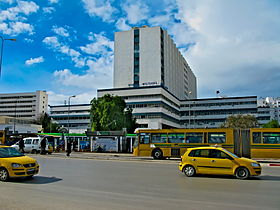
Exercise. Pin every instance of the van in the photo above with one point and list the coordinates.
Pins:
(33, 145)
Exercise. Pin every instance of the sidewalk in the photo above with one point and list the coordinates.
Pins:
(130, 157)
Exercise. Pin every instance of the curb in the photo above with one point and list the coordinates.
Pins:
(274, 164)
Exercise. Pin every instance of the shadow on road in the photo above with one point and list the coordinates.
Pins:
(267, 177)
(37, 180)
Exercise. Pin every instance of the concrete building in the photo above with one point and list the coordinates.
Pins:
(147, 56)
(269, 109)
(19, 125)
(24, 105)
(75, 116)
(149, 71)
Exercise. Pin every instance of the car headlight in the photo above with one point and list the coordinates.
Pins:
(255, 164)
(16, 165)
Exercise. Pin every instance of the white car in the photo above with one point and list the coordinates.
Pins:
(32, 145)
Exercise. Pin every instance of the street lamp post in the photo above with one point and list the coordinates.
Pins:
(69, 111)
(1, 55)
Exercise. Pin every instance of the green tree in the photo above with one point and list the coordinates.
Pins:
(110, 113)
(47, 124)
(272, 124)
(240, 121)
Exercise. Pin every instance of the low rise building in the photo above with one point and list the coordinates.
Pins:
(76, 117)
(24, 105)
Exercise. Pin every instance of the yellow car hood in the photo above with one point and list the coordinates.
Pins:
(20, 160)
(246, 160)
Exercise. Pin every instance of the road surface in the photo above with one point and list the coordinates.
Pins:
(68, 183)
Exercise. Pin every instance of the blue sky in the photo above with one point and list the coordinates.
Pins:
(66, 46)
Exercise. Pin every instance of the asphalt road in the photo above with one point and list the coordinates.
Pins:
(68, 183)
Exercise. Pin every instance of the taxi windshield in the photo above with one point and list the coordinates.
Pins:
(234, 155)
(7, 152)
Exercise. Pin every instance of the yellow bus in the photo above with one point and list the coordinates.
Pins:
(265, 142)
(165, 143)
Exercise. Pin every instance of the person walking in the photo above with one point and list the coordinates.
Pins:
(21, 146)
(68, 148)
(43, 146)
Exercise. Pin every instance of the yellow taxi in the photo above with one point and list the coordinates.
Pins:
(15, 164)
(218, 161)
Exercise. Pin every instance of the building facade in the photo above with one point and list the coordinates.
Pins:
(269, 109)
(24, 105)
(147, 56)
(76, 117)
(151, 75)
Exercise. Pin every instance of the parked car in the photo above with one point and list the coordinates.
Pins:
(216, 160)
(15, 164)
(33, 145)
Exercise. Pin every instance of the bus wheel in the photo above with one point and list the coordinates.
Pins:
(189, 171)
(242, 173)
(157, 154)
(4, 175)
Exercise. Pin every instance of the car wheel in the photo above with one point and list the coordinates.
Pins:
(157, 154)
(242, 173)
(4, 175)
(34, 151)
(189, 171)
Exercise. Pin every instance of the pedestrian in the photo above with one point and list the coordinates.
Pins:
(21, 146)
(68, 148)
(43, 146)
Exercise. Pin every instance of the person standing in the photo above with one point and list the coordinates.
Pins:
(21, 146)
(68, 148)
(43, 146)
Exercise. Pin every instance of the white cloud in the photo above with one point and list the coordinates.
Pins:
(48, 10)
(99, 8)
(136, 11)
(15, 28)
(99, 68)
(121, 25)
(32, 61)
(60, 99)
(60, 31)
(53, 43)
(13, 20)
(101, 45)
(233, 53)
(53, 1)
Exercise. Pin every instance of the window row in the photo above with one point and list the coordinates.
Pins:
(184, 138)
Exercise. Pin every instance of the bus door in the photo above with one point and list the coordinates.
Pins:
(144, 144)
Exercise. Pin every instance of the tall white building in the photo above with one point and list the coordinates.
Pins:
(24, 105)
(151, 74)
(147, 56)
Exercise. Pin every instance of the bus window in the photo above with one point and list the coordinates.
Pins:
(217, 138)
(257, 138)
(144, 138)
(271, 138)
(194, 137)
(176, 138)
(159, 138)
